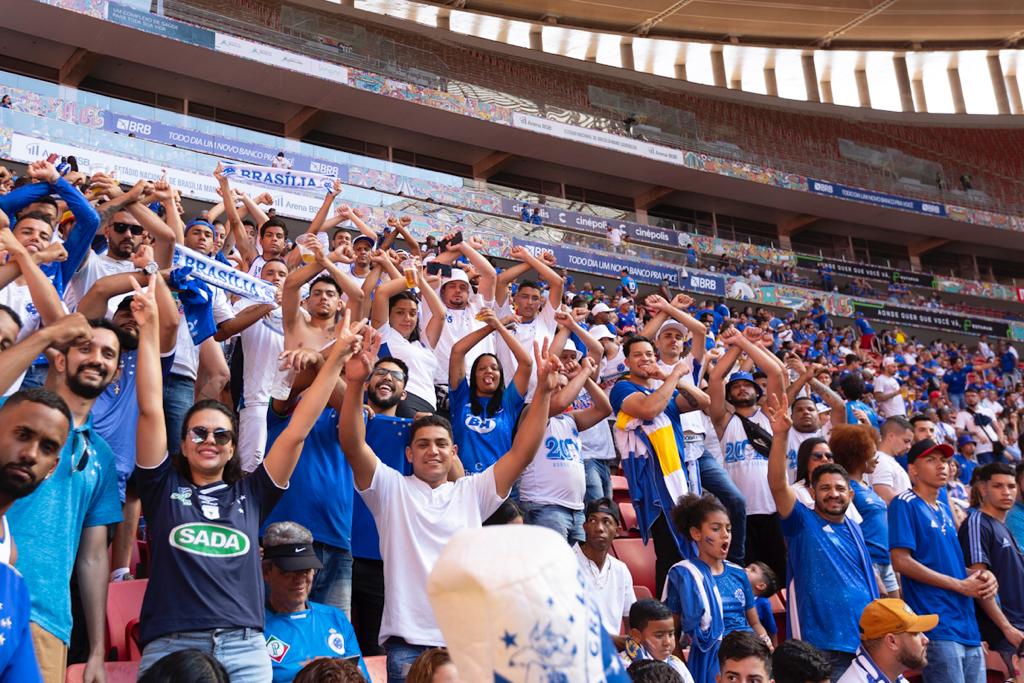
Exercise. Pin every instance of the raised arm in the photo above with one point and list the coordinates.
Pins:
(507, 277)
(600, 409)
(531, 428)
(470, 248)
(284, 454)
(382, 301)
(151, 433)
(778, 414)
(252, 205)
(430, 297)
(349, 214)
(44, 295)
(164, 237)
(244, 245)
(317, 224)
(717, 411)
(649, 406)
(19, 357)
(351, 428)
(677, 311)
(544, 267)
(834, 400)
(457, 358)
(769, 364)
(244, 319)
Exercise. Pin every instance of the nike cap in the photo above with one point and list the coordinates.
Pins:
(292, 557)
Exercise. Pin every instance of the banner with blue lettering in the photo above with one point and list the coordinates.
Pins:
(279, 177)
(889, 201)
(608, 265)
(224, 276)
(704, 283)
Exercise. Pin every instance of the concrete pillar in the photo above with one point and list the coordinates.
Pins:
(956, 90)
(810, 77)
(899, 64)
(1013, 88)
(681, 69)
(641, 215)
(995, 72)
(771, 84)
(444, 20)
(348, 3)
(863, 92)
(785, 242)
(537, 38)
(735, 84)
(920, 101)
(718, 66)
(915, 262)
(826, 91)
(626, 54)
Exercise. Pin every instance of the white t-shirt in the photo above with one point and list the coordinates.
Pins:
(186, 358)
(611, 586)
(542, 327)
(418, 356)
(457, 324)
(262, 343)
(595, 442)
(418, 522)
(556, 475)
(889, 473)
(747, 467)
(256, 267)
(18, 298)
(96, 266)
(895, 405)
(794, 441)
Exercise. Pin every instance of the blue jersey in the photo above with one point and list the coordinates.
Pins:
(387, 436)
(864, 326)
(956, 380)
(861, 405)
(687, 596)
(985, 540)
(17, 656)
(293, 640)
(966, 467)
(929, 534)
(321, 467)
(875, 524)
(733, 588)
(830, 579)
(766, 615)
(483, 438)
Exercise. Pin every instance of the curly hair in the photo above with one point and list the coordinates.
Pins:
(692, 509)
(853, 446)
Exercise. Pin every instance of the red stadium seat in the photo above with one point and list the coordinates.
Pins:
(628, 515)
(117, 672)
(639, 558)
(642, 592)
(779, 612)
(620, 489)
(131, 639)
(378, 668)
(124, 604)
(995, 668)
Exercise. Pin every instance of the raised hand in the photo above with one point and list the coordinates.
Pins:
(335, 188)
(359, 365)
(345, 211)
(218, 172)
(348, 335)
(42, 171)
(144, 308)
(730, 336)
(53, 253)
(752, 334)
(548, 257)
(143, 256)
(564, 319)
(163, 192)
(68, 329)
(299, 359)
(682, 301)
(518, 253)
(655, 303)
(264, 198)
(547, 366)
(8, 242)
(476, 242)
(777, 410)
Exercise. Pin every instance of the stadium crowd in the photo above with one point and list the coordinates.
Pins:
(298, 429)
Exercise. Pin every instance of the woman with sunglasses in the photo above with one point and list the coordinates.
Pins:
(484, 410)
(812, 454)
(855, 449)
(395, 314)
(206, 590)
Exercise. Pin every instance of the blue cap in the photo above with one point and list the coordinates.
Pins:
(965, 438)
(743, 376)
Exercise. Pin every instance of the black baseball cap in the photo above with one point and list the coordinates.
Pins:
(292, 557)
(926, 446)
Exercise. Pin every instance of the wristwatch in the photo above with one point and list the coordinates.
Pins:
(151, 268)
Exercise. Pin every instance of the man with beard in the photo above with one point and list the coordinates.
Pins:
(608, 578)
(117, 407)
(63, 525)
(827, 555)
(988, 544)
(313, 327)
(806, 420)
(745, 434)
(926, 554)
(892, 641)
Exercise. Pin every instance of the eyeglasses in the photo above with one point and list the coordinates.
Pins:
(121, 228)
(396, 375)
(220, 436)
(822, 456)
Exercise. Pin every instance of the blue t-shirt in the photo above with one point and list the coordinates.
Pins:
(321, 467)
(956, 380)
(482, 440)
(118, 406)
(875, 524)
(1007, 363)
(930, 536)
(733, 587)
(629, 285)
(766, 615)
(861, 405)
(17, 655)
(830, 579)
(985, 540)
(387, 436)
(864, 326)
(317, 631)
(966, 467)
(48, 524)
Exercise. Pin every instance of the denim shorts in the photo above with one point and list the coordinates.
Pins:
(242, 651)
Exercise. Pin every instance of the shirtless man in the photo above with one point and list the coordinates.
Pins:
(311, 325)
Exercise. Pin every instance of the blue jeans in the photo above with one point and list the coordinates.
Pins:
(714, 479)
(565, 522)
(957, 400)
(179, 395)
(599, 479)
(242, 651)
(401, 655)
(333, 584)
(840, 662)
(951, 662)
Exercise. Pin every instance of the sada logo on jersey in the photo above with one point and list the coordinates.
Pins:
(209, 540)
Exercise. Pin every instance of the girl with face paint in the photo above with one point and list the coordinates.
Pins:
(708, 595)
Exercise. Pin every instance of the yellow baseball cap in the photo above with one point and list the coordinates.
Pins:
(889, 615)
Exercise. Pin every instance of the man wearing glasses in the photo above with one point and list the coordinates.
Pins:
(63, 525)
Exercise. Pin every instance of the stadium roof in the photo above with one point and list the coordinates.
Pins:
(907, 24)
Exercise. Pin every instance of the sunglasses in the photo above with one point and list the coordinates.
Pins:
(396, 375)
(822, 456)
(121, 228)
(221, 437)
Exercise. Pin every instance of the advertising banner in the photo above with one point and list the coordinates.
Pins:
(840, 267)
(922, 317)
(889, 201)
